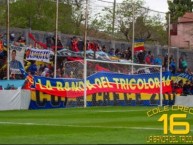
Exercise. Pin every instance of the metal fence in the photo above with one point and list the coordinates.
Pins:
(156, 49)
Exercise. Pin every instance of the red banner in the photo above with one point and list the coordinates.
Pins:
(103, 82)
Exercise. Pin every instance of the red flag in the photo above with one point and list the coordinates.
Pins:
(73, 58)
(100, 68)
(31, 36)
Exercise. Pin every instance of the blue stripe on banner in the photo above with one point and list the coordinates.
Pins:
(184, 75)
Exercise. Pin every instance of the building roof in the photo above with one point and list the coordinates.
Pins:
(186, 18)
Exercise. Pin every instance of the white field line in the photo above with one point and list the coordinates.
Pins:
(116, 111)
(82, 126)
(108, 111)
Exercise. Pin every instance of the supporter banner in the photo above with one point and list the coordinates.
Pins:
(40, 100)
(100, 55)
(182, 76)
(16, 59)
(38, 55)
(103, 82)
(68, 53)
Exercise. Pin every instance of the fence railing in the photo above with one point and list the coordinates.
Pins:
(156, 49)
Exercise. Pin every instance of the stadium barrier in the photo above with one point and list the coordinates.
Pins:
(14, 99)
(184, 100)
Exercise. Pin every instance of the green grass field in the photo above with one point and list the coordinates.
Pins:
(96, 125)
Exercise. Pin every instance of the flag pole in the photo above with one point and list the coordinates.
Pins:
(133, 33)
(114, 7)
(113, 27)
(56, 40)
(85, 63)
(169, 17)
(8, 40)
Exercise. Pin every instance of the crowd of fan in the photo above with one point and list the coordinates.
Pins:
(183, 88)
(142, 57)
(67, 69)
(63, 70)
(77, 44)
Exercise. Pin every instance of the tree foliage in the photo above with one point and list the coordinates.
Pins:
(178, 8)
(40, 15)
(147, 27)
(77, 15)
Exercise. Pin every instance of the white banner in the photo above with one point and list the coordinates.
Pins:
(16, 59)
(38, 55)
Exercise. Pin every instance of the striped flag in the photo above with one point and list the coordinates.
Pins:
(139, 45)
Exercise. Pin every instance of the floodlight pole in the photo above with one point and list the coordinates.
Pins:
(8, 55)
(169, 40)
(113, 27)
(56, 40)
(161, 87)
(85, 62)
(133, 33)
(114, 7)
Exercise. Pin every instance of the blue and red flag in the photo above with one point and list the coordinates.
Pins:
(139, 45)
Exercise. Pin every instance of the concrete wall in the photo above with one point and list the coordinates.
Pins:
(184, 37)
